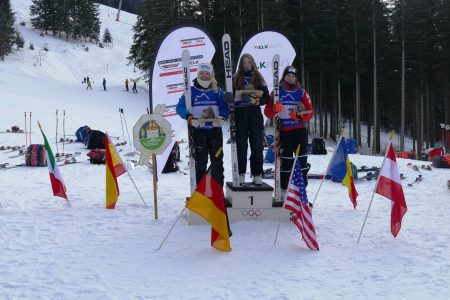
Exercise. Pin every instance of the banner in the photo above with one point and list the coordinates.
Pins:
(263, 46)
(167, 77)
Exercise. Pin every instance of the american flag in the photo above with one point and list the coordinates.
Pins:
(297, 202)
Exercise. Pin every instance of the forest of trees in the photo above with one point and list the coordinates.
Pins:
(339, 42)
(76, 19)
(9, 37)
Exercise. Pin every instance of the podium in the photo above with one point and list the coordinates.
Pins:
(248, 202)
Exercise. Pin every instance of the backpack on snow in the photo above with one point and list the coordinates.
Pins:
(36, 156)
(81, 133)
(318, 146)
(173, 159)
(95, 140)
(97, 156)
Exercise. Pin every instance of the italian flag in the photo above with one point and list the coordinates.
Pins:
(59, 189)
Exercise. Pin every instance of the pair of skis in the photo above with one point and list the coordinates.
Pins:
(228, 97)
(27, 134)
(64, 130)
(122, 115)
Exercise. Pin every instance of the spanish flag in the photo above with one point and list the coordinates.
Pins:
(114, 168)
(208, 202)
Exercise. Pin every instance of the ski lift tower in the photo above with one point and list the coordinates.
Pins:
(118, 10)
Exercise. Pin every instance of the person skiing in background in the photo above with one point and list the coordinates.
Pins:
(104, 84)
(207, 103)
(294, 102)
(134, 87)
(88, 83)
(250, 92)
(126, 84)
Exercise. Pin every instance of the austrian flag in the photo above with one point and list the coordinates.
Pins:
(390, 186)
(59, 189)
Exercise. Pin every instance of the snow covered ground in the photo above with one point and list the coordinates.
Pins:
(51, 251)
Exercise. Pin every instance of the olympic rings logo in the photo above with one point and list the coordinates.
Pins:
(251, 213)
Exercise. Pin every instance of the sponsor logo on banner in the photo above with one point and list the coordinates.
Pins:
(170, 111)
(193, 42)
(266, 64)
(267, 46)
(173, 65)
(175, 88)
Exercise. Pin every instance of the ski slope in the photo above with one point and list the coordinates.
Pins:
(52, 251)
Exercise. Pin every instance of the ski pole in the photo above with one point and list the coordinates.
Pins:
(30, 128)
(57, 151)
(64, 128)
(121, 123)
(26, 134)
(126, 126)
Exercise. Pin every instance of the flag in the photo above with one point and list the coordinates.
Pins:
(341, 171)
(390, 186)
(297, 202)
(208, 202)
(58, 186)
(114, 168)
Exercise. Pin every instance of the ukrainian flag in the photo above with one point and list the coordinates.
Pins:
(340, 170)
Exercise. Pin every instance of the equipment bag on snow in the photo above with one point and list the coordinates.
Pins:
(97, 156)
(95, 140)
(82, 133)
(173, 159)
(441, 161)
(318, 146)
(36, 156)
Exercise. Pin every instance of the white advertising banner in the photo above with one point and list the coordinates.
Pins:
(167, 75)
(263, 46)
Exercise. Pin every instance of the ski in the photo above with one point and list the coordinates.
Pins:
(426, 167)
(186, 59)
(227, 62)
(418, 179)
(276, 98)
(414, 167)
(6, 166)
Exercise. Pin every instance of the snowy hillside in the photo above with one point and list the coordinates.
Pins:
(52, 251)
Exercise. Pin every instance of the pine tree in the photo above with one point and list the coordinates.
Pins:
(153, 23)
(8, 35)
(107, 38)
(42, 14)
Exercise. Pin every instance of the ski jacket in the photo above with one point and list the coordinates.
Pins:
(290, 97)
(202, 99)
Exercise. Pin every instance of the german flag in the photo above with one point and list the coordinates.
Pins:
(208, 202)
(114, 168)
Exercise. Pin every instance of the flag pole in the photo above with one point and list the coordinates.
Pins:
(278, 230)
(297, 151)
(376, 186)
(167, 235)
(145, 204)
(328, 168)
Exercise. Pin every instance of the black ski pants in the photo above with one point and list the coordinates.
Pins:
(289, 141)
(207, 142)
(249, 126)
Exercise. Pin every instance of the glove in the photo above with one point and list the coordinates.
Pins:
(295, 116)
(277, 107)
(300, 107)
(228, 97)
(189, 119)
(221, 118)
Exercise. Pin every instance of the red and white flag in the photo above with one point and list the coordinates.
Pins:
(390, 186)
